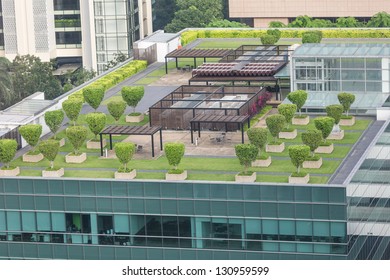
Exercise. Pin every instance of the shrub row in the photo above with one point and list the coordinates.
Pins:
(189, 36)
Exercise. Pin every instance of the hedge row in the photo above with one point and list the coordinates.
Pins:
(115, 77)
(189, 36)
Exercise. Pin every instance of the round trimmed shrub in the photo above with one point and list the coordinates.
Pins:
(298, 98)
(53, 120)
(246, 154)
(31, 133)
(124, 151)
(132, 95)
(174, 153)
(288, 111)
(93, 95)
(77, 136)
(8, 148)
(72, 108)
(298, 154)
(313, 139)
(275, 32)
(346, 100)
(258, 137)
(311, 37)
(116, 108)
(96, 122)
(275, 124)
(49, 149)
(325, 125)
(335, 111)
(268, 39)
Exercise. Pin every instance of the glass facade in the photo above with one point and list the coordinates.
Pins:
(81, 219)
(1, 28)
(67, 23)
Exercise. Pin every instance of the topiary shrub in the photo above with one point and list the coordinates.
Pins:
(311, 37)
(288, 111)
(246, 154)
(335, 111)
(116, 109)
(275, 32)
(132, 95)
(96, 123)
(298, 98)
(268, 39)
(298, 154)
(93, 95)
(258, 137)
(49, 149)
(53, 120)
(72, 108)
(346, 100)
(77, 136)
(124, 151)
(31, 133)
(325, 125)
(275, 124)
(8, 149)
(312, 138)
(174, 153)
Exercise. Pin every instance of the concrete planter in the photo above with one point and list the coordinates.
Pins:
(288, 134)
(126, 175)
(314, 164)
(76, 159)
(274, 148)
(336, 135)
(262, 162)
(301, 121)
(299, 180)
(347, 122)
(324, 149)
(135, 119)
(10, 173)
(54, 173)
(95, 144)
(32, 158)
(176, 177)
(246, 179)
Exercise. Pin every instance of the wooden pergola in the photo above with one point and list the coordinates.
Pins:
(204, 118)
(131, 130)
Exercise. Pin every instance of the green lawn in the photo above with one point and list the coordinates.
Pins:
(147, 80)
(359, 125)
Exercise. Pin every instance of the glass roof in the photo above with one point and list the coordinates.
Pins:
(29, 107)
(340, 50)
(284, 72)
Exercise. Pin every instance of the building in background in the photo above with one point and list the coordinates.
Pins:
(258, 13)
(90, 32)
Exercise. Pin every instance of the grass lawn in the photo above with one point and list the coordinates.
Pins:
(359, 125)
(349, 138)
(147, 80)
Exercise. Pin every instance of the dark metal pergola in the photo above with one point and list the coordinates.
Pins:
(195, 53)
(130, 130)
(240, 120)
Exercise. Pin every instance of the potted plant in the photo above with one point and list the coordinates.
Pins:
(174, 153)
(346, 100)
(124, 151)
(325, 125)
(299, 98)
(93, 95)
(246, 154)
(72, 108)
(31, 133)
(288, 111)
(96, 122)
(298, 154)
(8, 149)
(258, 137)
(275, 124)
(49, 149)
(312, 139)
(132, 95)
(335, 111)
(77, 136)
(116, 108)
(53, 120)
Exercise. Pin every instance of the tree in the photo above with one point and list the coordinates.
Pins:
(81, 75)
(31, 133)
(347, 22)
(311, 37)
(288, 111)
(49, 149)
(118, 58)
(224, 23)
(301, 21)
(124, 151)
(174, 153)
(268, 39)
(116, 108)
(275, 32)
(77, 136)
(93, 95)
(325, 125)
(298, 154)
(381, 19)
(276, 24)
(346, 100)
(72, 108)
(313, 139)
(53, 120)
(258, 137)
(246, 154)
(8, 149)
(298, 98)
(132, 95)
(275, 124)
(335, 111)
(6, 88)
(164, 11)
(96, 122)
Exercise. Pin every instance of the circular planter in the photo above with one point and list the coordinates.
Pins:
(301, 121)
(126, 175)
(54, 173)
(324, 149)
(95, 144)
(10, 173)
(176, 177)
(348, 122)
(274, 148)
(76, 159)
(299, 180)
(312, 164)
(32, 158)
(135, 119)
(262, 162)
(336, 135)
(246, 179)
(288, 134)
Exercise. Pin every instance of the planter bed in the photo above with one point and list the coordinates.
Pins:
(336, 135)
(301, 121)
(325, 149)
(246, 179)
(270, 148)
(262, 162)
(32, 158)
(299, 180)
(10, 172)
(75, 159)
(53, 173)
(176, 177)
(347, 122)
(312, 164)
(288, 134)
(135, 119)
(126, 175)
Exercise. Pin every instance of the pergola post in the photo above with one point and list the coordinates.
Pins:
(192, 134)
(194, 62)
(101, 145)
(110, 141)
(177, 64)
(166, 66)
(199, 129)
(161, 142)
(242, 133)
(152, 136)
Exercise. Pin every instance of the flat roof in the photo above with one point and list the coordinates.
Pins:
(160, 37)
(343, 50)
(29, 107)
(193, 53)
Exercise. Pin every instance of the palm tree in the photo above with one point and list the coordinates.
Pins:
(6, 92)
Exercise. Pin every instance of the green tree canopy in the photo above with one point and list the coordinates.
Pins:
(49, 149)
(288, 111)
(268, 39)
(72, 108)
(314, 36)
(8, 148)
(31, 133)
(53, 120)
(93, 95)
(348, 22)
(164, 11)
(96, 122)
(77, 136)
(132, 95)
(381, 19)
(335, 111)
(246, 154)
(224, 23)
(116, 108)
(258, 137)
(124, 151)
(312, 138)
(298, 154)
(325, 125)
(346, 100)
(275, 124)
(276, 24)
(298, 98)
(174, 153)
(7, 97)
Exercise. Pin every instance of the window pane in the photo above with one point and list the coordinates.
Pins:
(2, 221)
(13, 220)
(121, 224)
(58, 221)
(28, 221)
(43, 221)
